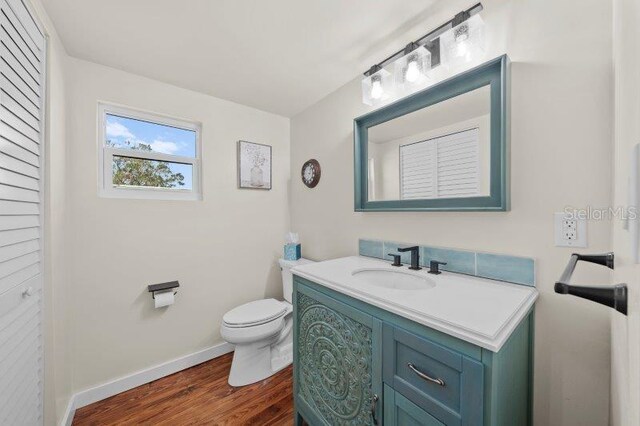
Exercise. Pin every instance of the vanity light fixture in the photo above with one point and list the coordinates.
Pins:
(454, 44)
(377, 86)
(464, 43)
(411, 71)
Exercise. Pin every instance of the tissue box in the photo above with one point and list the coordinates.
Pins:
(292, 251)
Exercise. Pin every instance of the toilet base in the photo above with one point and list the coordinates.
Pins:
(253, 362)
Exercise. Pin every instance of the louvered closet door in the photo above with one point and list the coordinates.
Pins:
(443, 167)
(22, 68)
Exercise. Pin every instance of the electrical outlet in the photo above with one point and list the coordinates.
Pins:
(570, 231)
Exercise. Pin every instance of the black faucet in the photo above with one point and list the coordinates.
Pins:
(396, 259)
(433, 267)
(415, 256)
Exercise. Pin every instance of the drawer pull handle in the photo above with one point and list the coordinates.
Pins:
(420, 374)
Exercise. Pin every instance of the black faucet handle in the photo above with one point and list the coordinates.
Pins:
(434, 266)
(396, 259)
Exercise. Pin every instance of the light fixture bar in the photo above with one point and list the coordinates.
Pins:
(429, 37)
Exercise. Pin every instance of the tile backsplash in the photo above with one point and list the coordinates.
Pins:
(463, 262)
(514, 269)
(371, 248)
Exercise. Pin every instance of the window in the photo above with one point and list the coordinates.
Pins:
(443, 167)
(148, 156)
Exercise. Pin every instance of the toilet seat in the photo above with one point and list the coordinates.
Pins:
(255, 313)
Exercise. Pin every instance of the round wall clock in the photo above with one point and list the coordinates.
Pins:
(311, 173)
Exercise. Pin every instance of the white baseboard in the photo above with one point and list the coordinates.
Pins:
(122, 384)
(69, 412)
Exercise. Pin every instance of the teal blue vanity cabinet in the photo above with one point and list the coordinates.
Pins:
(356, 364)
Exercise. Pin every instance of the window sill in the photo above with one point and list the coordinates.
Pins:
(150, 194)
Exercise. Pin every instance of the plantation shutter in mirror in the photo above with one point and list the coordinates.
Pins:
(22, 51)
(442, 167)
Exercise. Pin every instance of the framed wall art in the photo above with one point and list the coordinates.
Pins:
(254, 165)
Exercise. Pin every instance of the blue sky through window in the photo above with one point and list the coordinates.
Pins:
(128, 133)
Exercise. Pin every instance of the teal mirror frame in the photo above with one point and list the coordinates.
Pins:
(493, 73)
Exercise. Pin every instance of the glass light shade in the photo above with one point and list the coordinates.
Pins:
(411, 72)
(377, 87)
(463, 44)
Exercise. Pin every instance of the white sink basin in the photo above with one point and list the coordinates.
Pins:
(390, 279)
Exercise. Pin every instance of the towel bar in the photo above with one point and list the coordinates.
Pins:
(612, 296)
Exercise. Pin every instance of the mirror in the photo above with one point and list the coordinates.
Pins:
(440, 149)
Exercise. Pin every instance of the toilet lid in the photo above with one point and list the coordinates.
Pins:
(255, 313)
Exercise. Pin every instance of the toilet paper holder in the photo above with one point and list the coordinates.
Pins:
(154, 288)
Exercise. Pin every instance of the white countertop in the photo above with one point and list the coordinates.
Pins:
(480, 311)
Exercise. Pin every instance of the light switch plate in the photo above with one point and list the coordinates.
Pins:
(570, 231)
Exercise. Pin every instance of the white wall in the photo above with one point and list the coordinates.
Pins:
(625, 342)
(561, 126)
(223, 250)
(101, 253)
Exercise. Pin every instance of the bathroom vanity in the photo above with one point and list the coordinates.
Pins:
(377, 344)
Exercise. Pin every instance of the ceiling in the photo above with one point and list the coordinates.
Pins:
(280, 56)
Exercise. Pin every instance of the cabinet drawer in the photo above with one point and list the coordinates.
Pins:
(443, 382)
(399, 411)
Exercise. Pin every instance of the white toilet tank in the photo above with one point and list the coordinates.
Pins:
(287, 276)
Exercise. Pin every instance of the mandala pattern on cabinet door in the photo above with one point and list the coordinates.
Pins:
(335, 363)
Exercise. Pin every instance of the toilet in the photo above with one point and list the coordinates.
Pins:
(262, 333)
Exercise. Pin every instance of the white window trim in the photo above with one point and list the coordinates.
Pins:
(106, 154)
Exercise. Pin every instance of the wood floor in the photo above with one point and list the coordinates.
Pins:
(197, 396)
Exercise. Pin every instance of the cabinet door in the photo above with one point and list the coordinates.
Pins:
(399, 411)
(337, 368)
